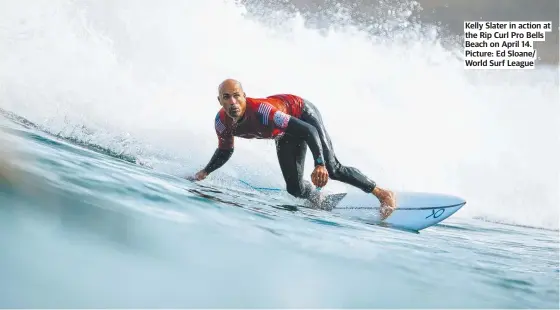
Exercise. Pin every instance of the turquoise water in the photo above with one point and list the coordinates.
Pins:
(83, 229)
(120, 98)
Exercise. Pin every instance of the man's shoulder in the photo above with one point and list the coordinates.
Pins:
(255, 102)
(281, 96)
(291, 98)
(257, 105)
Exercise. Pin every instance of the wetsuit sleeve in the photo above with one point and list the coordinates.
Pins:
(225, 147)
(299, 128)
(220, 157)
(286, 123)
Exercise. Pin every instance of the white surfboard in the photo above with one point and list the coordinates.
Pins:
(415, 210)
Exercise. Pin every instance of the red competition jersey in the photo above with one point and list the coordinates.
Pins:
(265, 118)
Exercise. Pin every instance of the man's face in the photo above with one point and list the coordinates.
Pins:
(232, 99)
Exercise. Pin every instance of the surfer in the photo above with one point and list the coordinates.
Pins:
(295, 124)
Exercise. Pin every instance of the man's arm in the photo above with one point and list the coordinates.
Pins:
(298, 128)
(223, 151)
(220, 157)
(306, 131)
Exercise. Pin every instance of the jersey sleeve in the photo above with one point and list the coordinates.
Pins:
(225, 137)
(271, 116)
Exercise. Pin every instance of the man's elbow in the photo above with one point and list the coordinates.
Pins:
(309, 132)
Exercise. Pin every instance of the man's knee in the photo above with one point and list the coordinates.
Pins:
(335, 171)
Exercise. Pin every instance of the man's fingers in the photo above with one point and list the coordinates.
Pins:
(386, 211)
(324, 179)
(383, 213)
(190, 178)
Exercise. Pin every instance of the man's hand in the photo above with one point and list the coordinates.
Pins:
(320, 176)
(388, 202)
(201, 175)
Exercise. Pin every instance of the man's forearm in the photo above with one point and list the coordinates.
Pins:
(220, 157)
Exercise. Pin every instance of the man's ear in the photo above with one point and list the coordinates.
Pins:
(218, 97)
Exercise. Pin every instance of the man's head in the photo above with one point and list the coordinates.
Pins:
(232, 98)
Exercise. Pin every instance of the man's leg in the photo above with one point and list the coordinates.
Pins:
(339, 172)
(291, 153)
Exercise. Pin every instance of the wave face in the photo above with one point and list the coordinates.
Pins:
(140, 79)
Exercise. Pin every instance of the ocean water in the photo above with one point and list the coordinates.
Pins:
(107, 105)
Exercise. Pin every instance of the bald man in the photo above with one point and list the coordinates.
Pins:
(295, 124)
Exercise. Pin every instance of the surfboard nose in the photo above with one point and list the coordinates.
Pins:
(415, 210)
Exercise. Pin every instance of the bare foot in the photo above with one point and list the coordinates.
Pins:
(388, 202)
